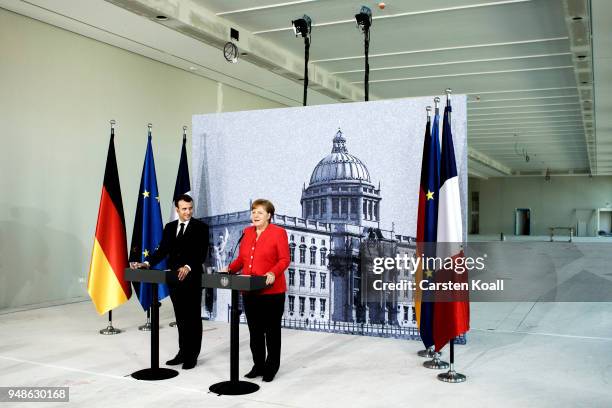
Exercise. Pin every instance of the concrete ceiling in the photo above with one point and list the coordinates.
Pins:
(527, 66)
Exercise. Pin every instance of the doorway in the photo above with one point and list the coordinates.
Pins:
(522, 221)
(475, 213)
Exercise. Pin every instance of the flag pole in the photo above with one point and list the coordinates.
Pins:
(429, 352)
(173, 323)
(451, 376)
(435, 363)
(147, 325)
(110, 329)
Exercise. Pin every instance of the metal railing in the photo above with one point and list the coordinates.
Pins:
(356, 329)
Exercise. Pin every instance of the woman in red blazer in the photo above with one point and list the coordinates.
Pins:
(264, 251)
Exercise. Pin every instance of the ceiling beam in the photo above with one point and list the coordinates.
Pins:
(459, 47)
(396, 15)
(488, 162)
(190, 18)
(462, 74)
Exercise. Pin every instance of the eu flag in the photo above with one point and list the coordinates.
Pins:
(148, 227)
(427, 225)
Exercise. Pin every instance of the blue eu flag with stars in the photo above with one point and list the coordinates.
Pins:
(148, 227)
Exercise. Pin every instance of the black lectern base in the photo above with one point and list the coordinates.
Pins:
(234, 388)
(154, 374)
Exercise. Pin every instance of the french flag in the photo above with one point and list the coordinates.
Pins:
(452, 315)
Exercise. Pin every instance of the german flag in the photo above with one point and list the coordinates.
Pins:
(105, 283)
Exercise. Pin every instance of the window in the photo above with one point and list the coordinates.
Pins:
(354, 206)
(292, 252)
(302, 279)
(312, 304)
(335, 206)
(291, 303)
(291, 277)
(370, 205)
(316, 208)
(302, 240)
(313, 277)
(312, 241)
(376, 211)
(405, 312)
(313, 255)
(365, 208)
(323, 280)
(322, 242)
(323, 206)
(322, 303)
(302, 254)
(302, 304)
(308, 209)
(292, 238)
(323, 256)
(344, 206)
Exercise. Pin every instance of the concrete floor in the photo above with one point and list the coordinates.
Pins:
(518, 355)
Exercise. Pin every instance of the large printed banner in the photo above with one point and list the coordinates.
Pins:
(339, 176)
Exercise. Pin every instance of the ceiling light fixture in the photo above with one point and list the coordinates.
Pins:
(364, 22)
(303, 27)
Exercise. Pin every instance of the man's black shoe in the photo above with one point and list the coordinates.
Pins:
(178, 360)
(253, 373)
(268, 377)
(188, 365)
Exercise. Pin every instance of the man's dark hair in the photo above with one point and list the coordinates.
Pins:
(183, 197)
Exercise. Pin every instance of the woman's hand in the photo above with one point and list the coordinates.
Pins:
(270, 278)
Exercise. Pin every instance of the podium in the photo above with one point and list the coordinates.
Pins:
(235, 283)
(154, 277)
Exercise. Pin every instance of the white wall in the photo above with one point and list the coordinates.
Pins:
(58, 90)
(553, 203)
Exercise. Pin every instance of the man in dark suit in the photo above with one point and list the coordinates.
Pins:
(185, 244)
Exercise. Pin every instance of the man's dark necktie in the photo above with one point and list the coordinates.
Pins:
(181, 231)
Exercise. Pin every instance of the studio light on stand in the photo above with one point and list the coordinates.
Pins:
(364, 22)
(303, 26)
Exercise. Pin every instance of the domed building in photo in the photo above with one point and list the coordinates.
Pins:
(341, 190)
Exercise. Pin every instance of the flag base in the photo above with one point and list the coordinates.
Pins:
(234, 388)
(427, 353)
(154, 374)
(436, 363)
(451, 376)
(145, 327)
(110, 330)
